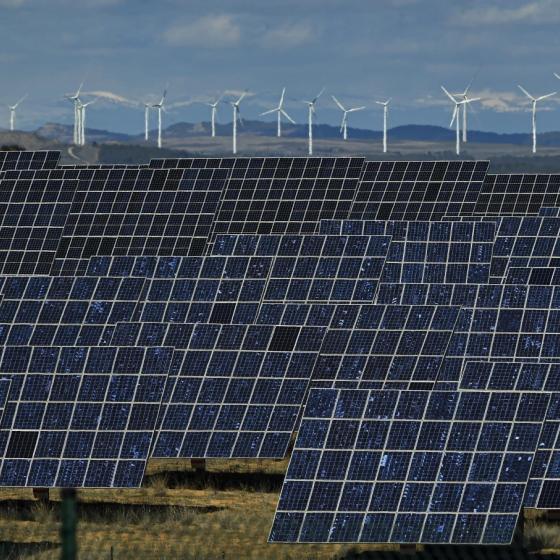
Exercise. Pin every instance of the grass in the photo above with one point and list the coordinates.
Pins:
(218, 514)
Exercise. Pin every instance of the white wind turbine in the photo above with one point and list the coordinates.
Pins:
(214, 106)
(76, 99)
(456, 117)
(236, 117)
(464, 97)
(13, 112)
(310, 113)
(159, 106)
(280, 111)
(534, 101)
(82, 121)
(344, 124)
(385, 105)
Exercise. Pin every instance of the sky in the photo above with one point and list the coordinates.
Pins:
(128, 51)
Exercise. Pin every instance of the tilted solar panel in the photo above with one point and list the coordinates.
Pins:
(286, 195)
(430, 252)
(65, 311)
(192, 163)
(414, 190)
(410, 466)
(28, 160)
(80, 416)
(33, 209)
(238, 390)
(136, 211)
(510, 195)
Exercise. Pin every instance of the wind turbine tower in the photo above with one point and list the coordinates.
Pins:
(385, 105)
(236, 117)
(345, 112)
(76, 100)
(146, 121)
(310, 113)
(456, 117)
(280, 111)
(13, 112)
(160, 107)
(82, 121)
(214, 106)
(464, 97)
(534, 101)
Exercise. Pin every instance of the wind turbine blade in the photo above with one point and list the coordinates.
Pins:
(449, 95)
(20, 100)
(282, 98)
(526, 93)
(241, 97)
(338, 103)
(557, 75)
(269, 112)
(354, 109)
(380, 103)
(80, 89)
(287, 116)
(454, 115)
(319, 95)
(471, 99)
(546, 96)
(388, 101)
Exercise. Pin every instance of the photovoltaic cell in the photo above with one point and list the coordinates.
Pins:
(28, 160)
(286, 195)
(237, 392)
(410, 467)
(550, 211)
(414, 190)
(80, 416)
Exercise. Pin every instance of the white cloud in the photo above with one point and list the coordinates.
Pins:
(543, 11)
(208, 31)
(288, 35)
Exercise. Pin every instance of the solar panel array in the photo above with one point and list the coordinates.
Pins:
(402, 317)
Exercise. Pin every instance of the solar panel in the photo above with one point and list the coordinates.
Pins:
(392, 346)
(64, 311)
(414, 190)
(428, 252)
(139, 212)
(509, 195)
(237, 391)
(4, 390)
(410, 467)
(286, 195)
(530, 377)
(33, 210)
(192, 163)
(314, 268)
(80, 416)
(533, 275)
(28, 160)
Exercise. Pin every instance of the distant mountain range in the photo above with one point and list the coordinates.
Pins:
(422, 133)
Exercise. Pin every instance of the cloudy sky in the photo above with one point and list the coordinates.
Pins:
(360, 50)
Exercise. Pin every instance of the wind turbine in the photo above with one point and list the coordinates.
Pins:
(75, 99)
(146, 120)
(159, 107)
(310, 113)
(280, 111)
(236, 117)
(82, 121)
(214, 107)
(456, 117)
(344, 124)
(464, 96)
(534, 101)
(13, 112)
(385, 105)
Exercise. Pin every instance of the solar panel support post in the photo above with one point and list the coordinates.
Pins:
(409, 548)
(69, 522)
(41, 494)
(198, 465)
